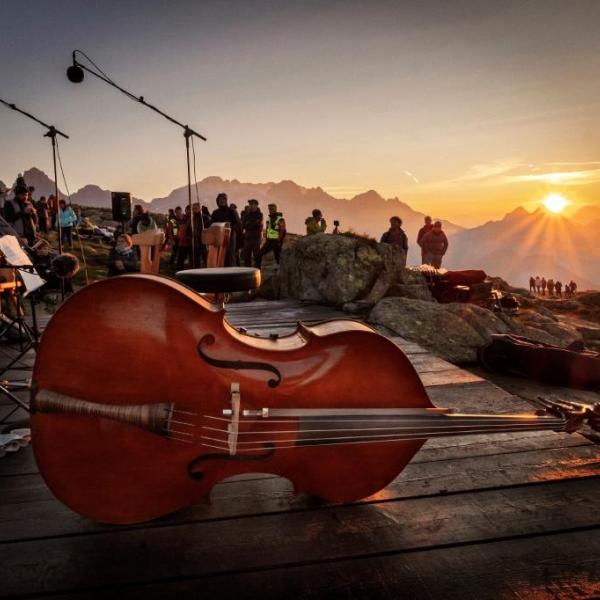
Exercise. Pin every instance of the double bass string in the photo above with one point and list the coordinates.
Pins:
(316, 442)
(302, 440)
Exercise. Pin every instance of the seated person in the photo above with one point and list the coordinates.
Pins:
(56, 269)
(123, 258)
(86, 227)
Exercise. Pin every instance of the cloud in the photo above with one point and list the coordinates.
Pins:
(411, 176)
(510, 171)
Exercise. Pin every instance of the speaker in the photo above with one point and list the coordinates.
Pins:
(121, 206)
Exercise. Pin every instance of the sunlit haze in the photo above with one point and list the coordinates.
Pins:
(464, 110)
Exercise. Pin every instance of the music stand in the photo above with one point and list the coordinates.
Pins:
(28, 335)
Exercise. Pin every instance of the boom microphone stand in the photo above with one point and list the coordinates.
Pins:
(75, 74)
(51, 132)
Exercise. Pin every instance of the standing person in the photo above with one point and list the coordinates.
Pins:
(146, 222)
(550, 287)
(136, 215)
(558, 288)
(532, 284)
(68, 218)
(174, 221)
(18, 211)
(573, 287)
(427, 227)
(395, 235)
(225, 214)
(52, 210)
(43, 211)
(316, 223)
(538, 284)
(274, 235)
(201, 253)
(336, 228)
(252, 226)
(185, 239)
(544, 286)
(434, 245)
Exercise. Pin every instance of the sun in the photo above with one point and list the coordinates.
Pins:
(555, 203)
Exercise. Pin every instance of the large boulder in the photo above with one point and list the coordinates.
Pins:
(339, 269)
(329, 269)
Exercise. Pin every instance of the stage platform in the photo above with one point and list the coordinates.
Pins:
(508, 516)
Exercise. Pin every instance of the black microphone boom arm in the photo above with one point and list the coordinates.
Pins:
(187, 130)
(75, 75)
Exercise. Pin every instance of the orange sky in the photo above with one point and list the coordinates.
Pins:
(461, 109)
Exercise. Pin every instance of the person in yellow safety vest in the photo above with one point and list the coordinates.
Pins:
(274, 235)
(316, 223)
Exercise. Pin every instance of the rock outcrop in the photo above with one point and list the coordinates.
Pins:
(456, 331)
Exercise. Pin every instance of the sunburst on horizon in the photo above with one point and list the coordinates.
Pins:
(555, 203)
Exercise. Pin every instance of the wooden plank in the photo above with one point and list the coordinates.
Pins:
(344, 532)
(39, 515)
(511, 569)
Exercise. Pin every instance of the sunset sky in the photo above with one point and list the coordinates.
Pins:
(462, 109)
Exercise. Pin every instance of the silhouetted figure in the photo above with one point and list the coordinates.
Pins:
(544, 282)
(336, 228)
(316, 223)
(538, 284)
(558, 288)
(20, 212)
(425, 229)
(43, 215)
(550, 287)
(174, 222)
(226, 214)
(395, 235)
(434, 245)
(532, 284)
(252, 227)
(572, 287)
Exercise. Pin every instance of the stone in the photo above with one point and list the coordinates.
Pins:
(591, 300)
(456, 331)
(339, 269)
(431, 325)
(414, 291)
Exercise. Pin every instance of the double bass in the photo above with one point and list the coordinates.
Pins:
(144, 397)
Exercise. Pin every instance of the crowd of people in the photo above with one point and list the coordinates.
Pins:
(253, 235)
(33, 219)
(550, 287)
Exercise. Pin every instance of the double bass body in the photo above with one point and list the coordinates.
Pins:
(133, 383)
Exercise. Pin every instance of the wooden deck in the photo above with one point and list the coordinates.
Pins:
(507, 516)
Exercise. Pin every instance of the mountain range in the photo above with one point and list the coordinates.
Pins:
(519, 245)
(366, 213)
(524, 244)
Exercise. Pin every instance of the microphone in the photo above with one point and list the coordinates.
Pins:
(75, 72)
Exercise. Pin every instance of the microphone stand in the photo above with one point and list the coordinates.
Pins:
(187, 134)
(51, 132)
